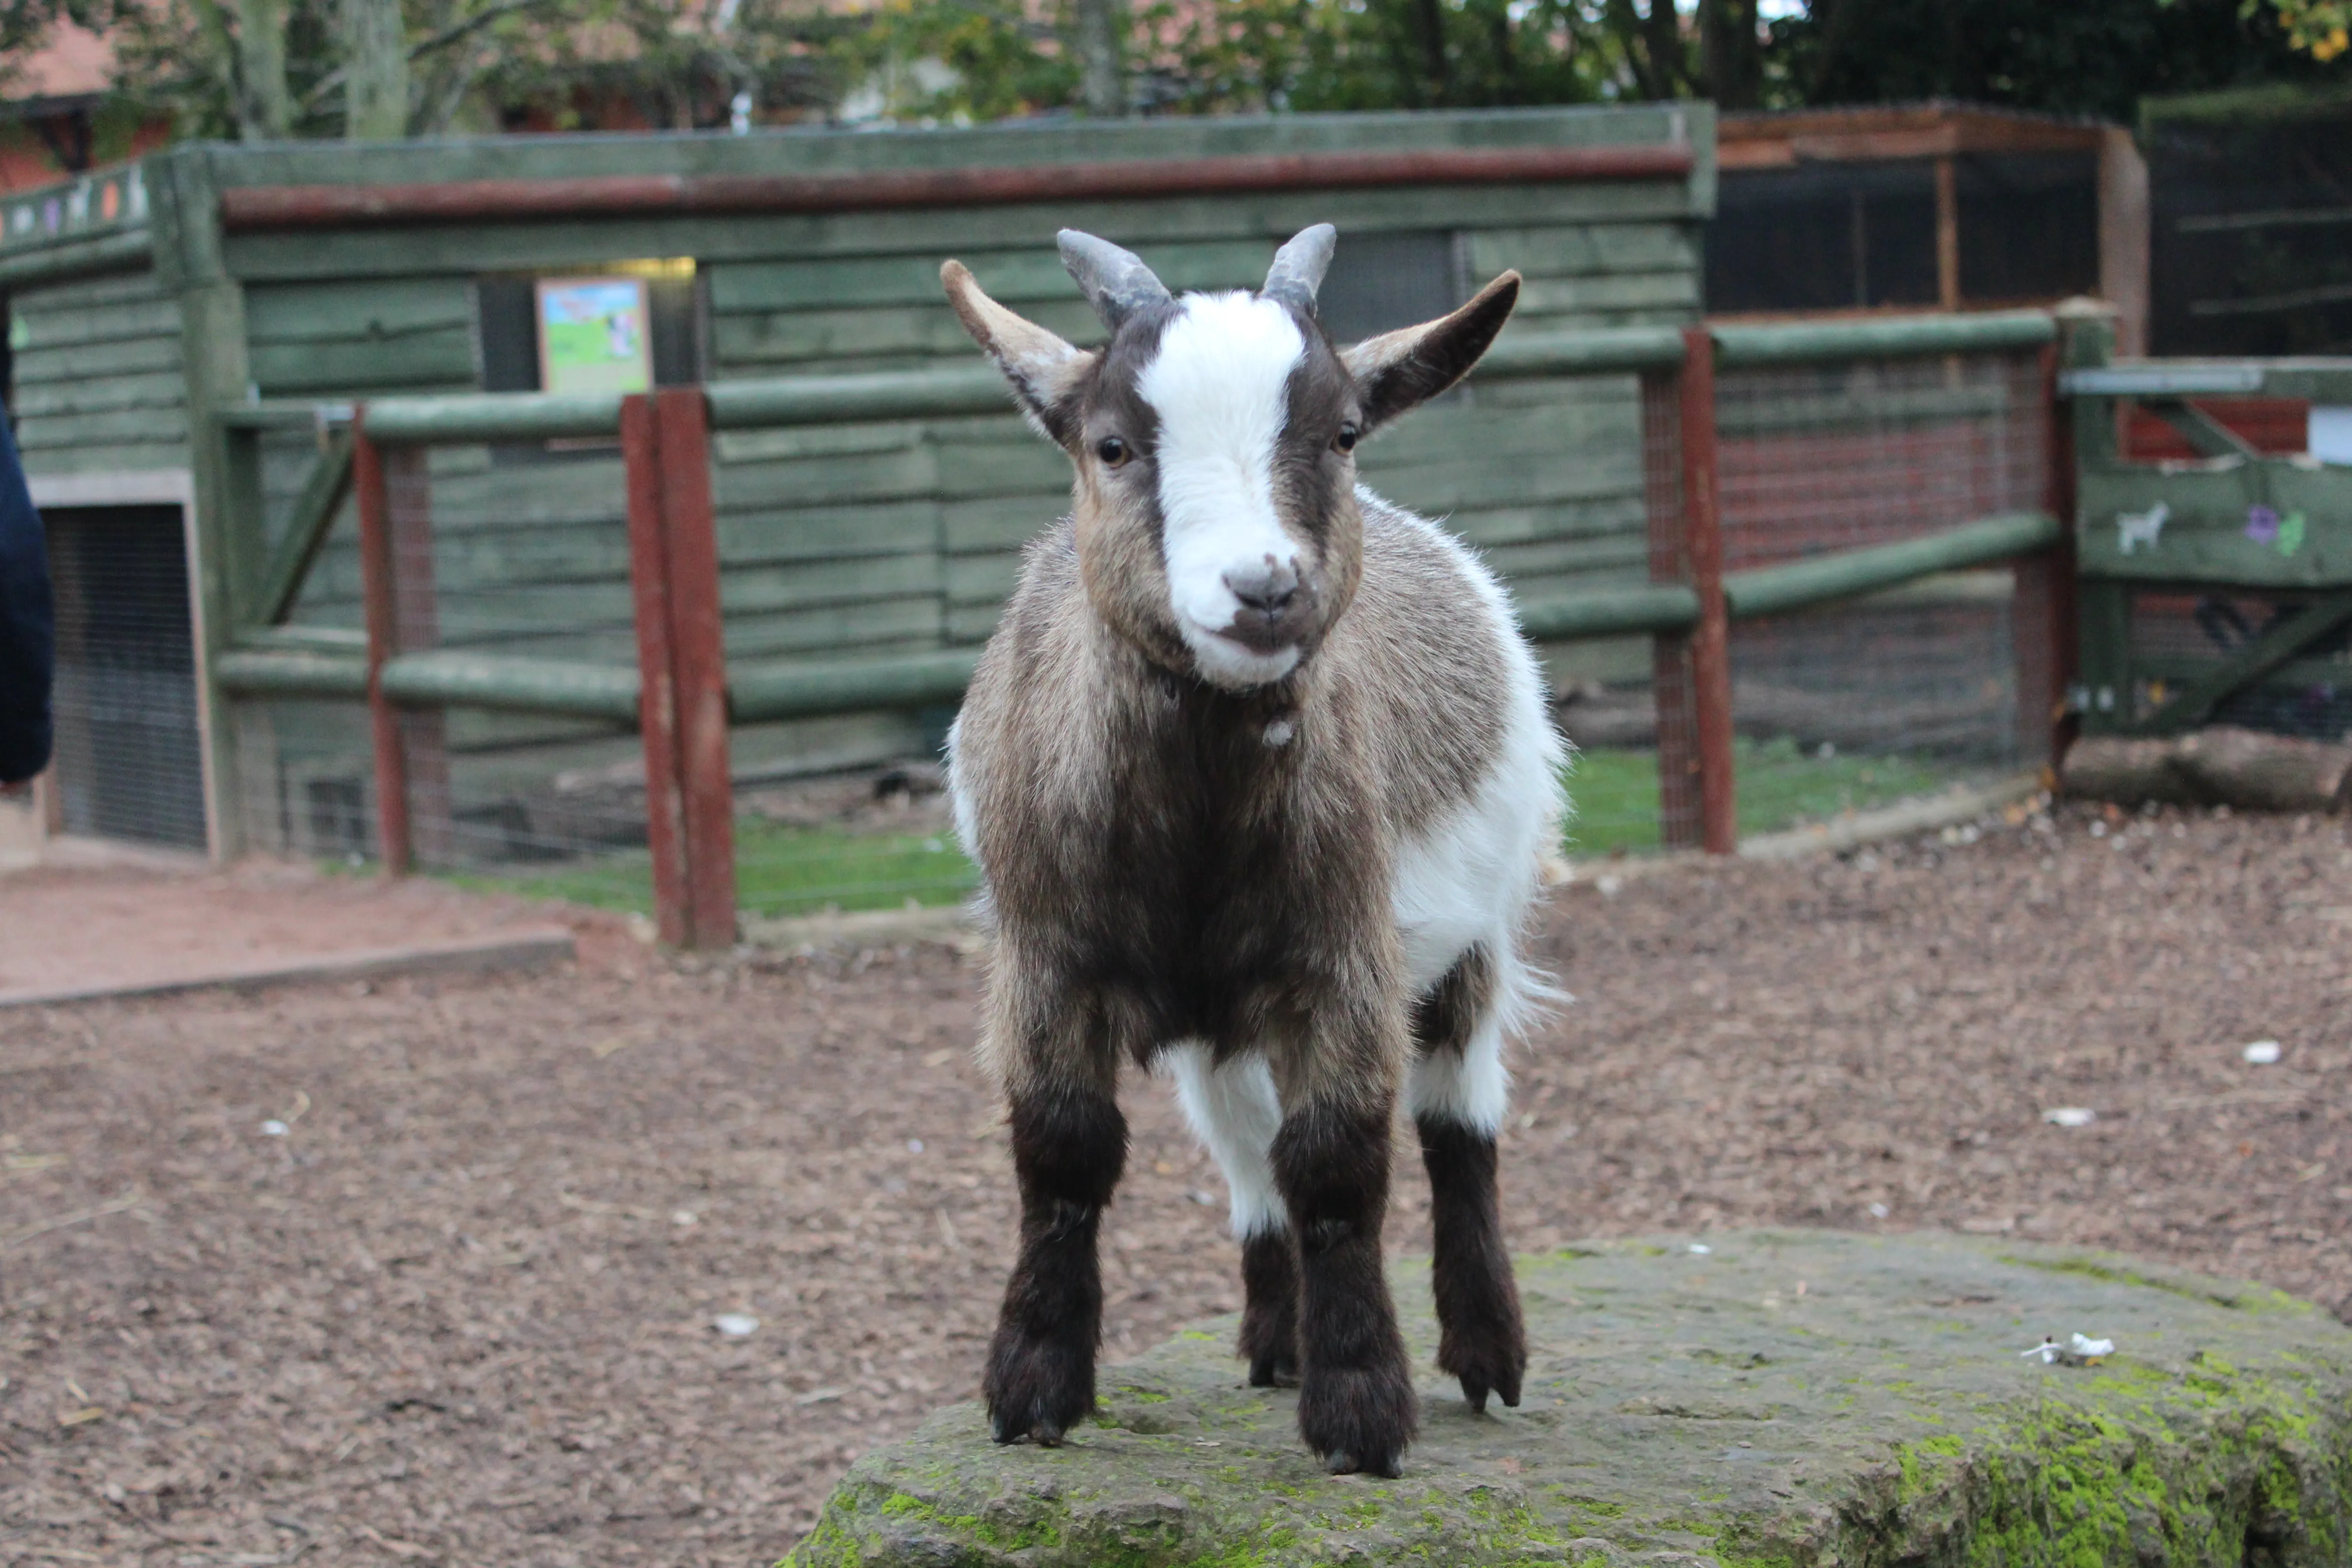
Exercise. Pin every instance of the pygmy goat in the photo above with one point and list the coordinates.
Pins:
(1259, 773)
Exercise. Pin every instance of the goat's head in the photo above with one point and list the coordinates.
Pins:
(1213, 436)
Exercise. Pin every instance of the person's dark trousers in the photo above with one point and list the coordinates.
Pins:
(28, 625)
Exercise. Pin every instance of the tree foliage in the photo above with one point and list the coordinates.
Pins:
(2320, 28)
(265, 69)
(2085, 56)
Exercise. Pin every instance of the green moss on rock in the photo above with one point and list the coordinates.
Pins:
(1701, 1409)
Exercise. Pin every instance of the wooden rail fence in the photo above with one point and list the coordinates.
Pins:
(682, 698)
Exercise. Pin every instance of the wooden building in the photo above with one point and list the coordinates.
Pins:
(1926, 207)
(147, 300)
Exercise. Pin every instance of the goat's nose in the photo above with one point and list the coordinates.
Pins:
(1267, 588)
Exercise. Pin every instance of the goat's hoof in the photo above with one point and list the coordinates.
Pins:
(1273, 1372)
(1043, 1431)
(1038, 1389)
(1495, 1370)
(1476, 1388)
(1357, 1418)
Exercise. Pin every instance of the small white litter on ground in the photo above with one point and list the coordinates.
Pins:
(273, 1128)
(1701, 1247)
(2262, 1053)
(2080, 1350)
(2070, 1116)
(736, 1325)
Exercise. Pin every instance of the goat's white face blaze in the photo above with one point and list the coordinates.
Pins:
(1220, 386)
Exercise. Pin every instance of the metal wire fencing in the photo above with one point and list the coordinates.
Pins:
(1857, 704)
(129, 759)
(846, 572)
(1863, 702)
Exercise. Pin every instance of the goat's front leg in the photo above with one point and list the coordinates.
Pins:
(1069, 1143)
(1356, 1404)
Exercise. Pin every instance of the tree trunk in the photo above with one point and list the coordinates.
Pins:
(1430, 17)
(2221, 766)
(264, 104)
(1102, 76)
(375, 70)
(1664, 29)
(1734, 57)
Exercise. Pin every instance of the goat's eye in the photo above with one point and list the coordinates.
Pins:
(1344, 441)
(1111, 451)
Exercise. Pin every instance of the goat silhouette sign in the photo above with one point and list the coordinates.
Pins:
(1259, 774)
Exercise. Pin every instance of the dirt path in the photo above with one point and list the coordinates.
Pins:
(68, 930)
(462, 1310)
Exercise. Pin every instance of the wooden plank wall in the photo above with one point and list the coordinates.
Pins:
(905, 536)
(97, 373)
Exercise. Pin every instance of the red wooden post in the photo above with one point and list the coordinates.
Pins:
(1670, 678)
(2044, 627)
(416, 624)
(381, 610)
(697, 661)
(1710, 640)
(641, 456)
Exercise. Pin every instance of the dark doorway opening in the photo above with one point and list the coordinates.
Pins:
(129, 764)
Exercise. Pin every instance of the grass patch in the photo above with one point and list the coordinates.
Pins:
(1616, 793)
(779, 871)
(788, 871)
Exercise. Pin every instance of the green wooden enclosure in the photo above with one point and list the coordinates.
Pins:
(2216, 587)
(148, 304)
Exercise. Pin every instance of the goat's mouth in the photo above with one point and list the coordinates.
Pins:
(1236, 657)
(1260, 633)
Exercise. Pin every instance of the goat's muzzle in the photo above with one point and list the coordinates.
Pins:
(1275, 609)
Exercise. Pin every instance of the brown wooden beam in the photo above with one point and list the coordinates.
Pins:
(253, 207)
(380, 607)
(1671, 688)
(1710, 641)
(698, 661)
(656, 664)
(1947, 235)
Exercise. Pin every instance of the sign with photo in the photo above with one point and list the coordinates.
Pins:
(593, 335)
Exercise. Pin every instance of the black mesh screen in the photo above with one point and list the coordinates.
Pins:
(2029, 225)
(129, 763)
(2252, 232)
(1823, 237)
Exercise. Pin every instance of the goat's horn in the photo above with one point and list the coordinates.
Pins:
(1298, 267)
(1117, 282)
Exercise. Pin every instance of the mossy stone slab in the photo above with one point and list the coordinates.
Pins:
(1784, 1398)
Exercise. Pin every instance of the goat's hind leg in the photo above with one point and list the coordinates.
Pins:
(1235, 1112)
(1069, 1143)
(1457, 1090)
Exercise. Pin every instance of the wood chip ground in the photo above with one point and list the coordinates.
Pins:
(463, 1309)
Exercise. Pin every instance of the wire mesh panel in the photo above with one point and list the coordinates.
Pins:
(130, 762)
(1858, 704)
(1623, 802)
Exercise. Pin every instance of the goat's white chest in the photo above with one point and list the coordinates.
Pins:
(1469, 877)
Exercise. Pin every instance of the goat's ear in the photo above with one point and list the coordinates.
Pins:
(1397, 370)
(1045, 372)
